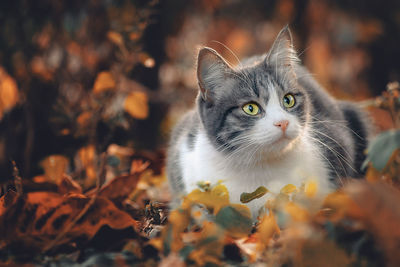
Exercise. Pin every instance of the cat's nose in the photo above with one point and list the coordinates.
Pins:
(283, 124)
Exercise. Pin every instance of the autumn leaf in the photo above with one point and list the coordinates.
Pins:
(84, 118)
(8, 92)
(87, 156)
(104, 82)
(115, 37)
(259, 192)
(54, 167)
(120, 187)
(214, 199)
(38, 217)
(68, 185)
(136, 104)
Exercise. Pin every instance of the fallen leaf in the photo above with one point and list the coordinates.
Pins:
(104, 82)
(259, 192)
(120, 187)
(136, 104)
(213, 199)
(54, 167)
(115, 37)
(8, 92)
(68, 185)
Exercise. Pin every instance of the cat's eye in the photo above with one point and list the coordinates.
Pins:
(289, 101)
(251, 109)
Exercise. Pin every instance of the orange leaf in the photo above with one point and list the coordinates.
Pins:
(8, 92)
(68, 185)
(84, 118)
(54, 167)
(104, 82)
(120, 187)
(136, 104)
(266, 230)
(37, 218)
(115, 37)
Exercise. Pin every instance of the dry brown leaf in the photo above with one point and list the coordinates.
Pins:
(121, 187)
(68, 185)
(104, 82)
(38, 217)
(136, 104)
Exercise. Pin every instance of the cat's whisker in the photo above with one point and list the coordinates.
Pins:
(328, 161)
(337, 155)
(340, 123)
(331, 138)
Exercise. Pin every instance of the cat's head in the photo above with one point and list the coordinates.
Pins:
(253, 111)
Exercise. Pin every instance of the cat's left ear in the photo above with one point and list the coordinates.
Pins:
(282, 53)
(213, 73)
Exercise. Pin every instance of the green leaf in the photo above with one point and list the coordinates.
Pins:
(234, 221)
(381, 149)
(259, 192)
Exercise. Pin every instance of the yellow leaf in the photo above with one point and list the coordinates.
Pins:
(115, 37)
(289, 188)
(214, 199)
(104, 82)
(311, 188)
(8, 92)
(136, 104)
(54, 167)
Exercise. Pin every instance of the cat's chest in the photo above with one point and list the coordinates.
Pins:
(203, 163)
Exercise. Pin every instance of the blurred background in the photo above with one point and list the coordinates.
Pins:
(79, 78)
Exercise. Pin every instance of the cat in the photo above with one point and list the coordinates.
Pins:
(268, 123)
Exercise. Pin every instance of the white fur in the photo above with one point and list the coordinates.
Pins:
(296, 160)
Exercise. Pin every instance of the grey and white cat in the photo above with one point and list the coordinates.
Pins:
(265, 123)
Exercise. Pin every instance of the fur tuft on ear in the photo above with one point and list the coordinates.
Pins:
(212, 71)
(282, 53)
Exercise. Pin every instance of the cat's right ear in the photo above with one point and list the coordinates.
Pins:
(212, 72)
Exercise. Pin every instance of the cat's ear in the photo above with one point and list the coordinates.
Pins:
(282, 53)
(212, 72)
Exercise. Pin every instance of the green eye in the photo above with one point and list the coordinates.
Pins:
(289, 101)
(251, 109)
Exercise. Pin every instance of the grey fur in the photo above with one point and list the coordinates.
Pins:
(340, 129)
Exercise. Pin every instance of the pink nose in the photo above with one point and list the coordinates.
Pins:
(283, 124)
